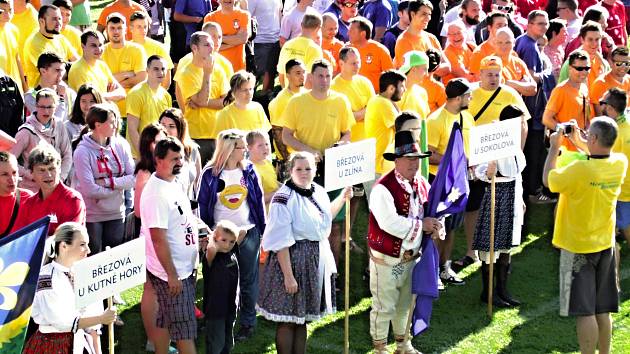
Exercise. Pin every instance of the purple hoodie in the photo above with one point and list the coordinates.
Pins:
(112, 162)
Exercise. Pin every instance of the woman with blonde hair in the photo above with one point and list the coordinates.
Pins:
(61, 328)
(229, 189)
(240, 112)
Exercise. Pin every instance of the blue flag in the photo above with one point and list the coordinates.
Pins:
(448, 195)
(449, 190)
(20, 260)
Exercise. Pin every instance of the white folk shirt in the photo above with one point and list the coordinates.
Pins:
(408, 228)
(54, 310)
(165, 206)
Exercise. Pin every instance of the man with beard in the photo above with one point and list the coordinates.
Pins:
(468, 13)
(380, 117)
(92, 69)
(47, 39)
(170, 230)
(126, 60)
(439, 126)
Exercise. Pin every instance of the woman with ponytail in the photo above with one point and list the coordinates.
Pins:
(240, 112)
(61, 328)
(104, 169)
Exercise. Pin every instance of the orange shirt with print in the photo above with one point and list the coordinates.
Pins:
(568, 102)
(374, 60)
(604, 83)
(333, 47)
(407, 42)
(123, 10)
(459, 58)
(230, 24)
(435, 92)
(479, 53)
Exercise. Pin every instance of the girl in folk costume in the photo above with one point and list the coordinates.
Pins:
(297, 280)
(509, 214)
(62, 328)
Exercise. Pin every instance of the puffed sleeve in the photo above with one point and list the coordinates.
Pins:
(51, 307)
(278, 232)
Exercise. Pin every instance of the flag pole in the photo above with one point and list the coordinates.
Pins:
(346, 325)
(110, 303)
(491, 265)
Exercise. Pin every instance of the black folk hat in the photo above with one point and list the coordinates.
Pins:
(405, 146)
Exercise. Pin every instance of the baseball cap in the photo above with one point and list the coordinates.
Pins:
(491, 62)
(457, 87)
(412, 59)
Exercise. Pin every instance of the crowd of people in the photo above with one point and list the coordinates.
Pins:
(202, 125)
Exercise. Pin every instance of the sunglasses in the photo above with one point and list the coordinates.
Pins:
(232, 136)
(503, 8)
(582, 68)
(602, 102)
(350, 5)
(622, 63)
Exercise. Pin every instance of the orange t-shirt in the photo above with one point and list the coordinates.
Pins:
(374, 60)
(598, 67)
(123, 10)
(514, 68)
(333, 47)
(459, 58)
(604, 83)
(230, 24)
(479, 53)
(567, 102)
(435, 92)
(407, 42)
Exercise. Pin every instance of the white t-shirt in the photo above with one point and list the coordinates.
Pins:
(267, 13)
(166, 206)
(232, 200)
(291, 26)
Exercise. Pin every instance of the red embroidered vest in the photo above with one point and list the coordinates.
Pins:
(378, 239)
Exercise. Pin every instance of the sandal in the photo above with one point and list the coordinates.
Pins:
(462, 263)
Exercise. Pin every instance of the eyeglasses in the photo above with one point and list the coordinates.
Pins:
(45, 107)
(350, 5)
(581, 68)
(541, 23)
(622, 63)
(602, 102)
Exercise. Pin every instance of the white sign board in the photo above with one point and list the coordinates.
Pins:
(494, 141)
(107, 273)
(349, 164)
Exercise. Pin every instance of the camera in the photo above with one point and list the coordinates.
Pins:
(566, 128)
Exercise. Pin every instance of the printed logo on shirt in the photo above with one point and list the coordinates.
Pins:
(53, 218)
(368, 58)
(236, 24)
(190, 235)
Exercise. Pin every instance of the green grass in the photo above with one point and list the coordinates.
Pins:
(459, 323)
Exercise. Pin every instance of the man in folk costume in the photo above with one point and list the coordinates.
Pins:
(396, 226)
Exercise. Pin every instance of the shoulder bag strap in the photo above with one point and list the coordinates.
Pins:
(485, 106)
(16, 208)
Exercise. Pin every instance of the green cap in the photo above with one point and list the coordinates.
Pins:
(414, 58)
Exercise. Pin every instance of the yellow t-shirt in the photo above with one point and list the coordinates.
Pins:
(302, 49)
(35, 45)
(415, 99)
(507, 96)
(73, 35)
(358, 91)
(201, 121)
(267, 175)
(251, 118)
(380, 117)
(98, 75)
(279, 103)
(219, 59)
(9, 34)
(153, 47)
(146, 105)
(439, 127)
(622, 145)
(131, 57)
(585, 216)
(26, 22)
(318, 123)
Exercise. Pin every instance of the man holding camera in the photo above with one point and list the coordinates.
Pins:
(585, 227)
(570, 99)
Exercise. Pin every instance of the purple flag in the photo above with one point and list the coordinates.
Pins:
(448, 195)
